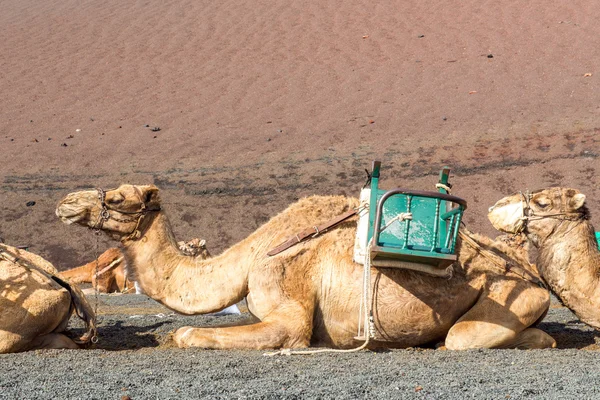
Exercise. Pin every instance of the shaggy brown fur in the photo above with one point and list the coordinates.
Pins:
(310, 294)
(35, 306)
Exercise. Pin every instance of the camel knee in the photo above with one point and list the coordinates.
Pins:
(479, 335)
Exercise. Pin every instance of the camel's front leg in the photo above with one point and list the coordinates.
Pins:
(262, 335)
(280, 329)
(502, 319)
(52, 341)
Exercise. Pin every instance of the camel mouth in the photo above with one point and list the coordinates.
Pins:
(506, 216)
(67, 216)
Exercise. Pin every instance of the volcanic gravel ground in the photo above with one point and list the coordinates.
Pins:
(136, 358)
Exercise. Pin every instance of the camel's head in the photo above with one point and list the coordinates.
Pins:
(116, 211)
(538, 211)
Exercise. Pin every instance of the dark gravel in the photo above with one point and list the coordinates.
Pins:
(135, 358)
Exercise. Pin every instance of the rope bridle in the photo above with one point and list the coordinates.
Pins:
(125, 216)
(530, 215)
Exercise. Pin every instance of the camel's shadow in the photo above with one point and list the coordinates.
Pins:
(121, 336)
(572, 335)
(126, 331)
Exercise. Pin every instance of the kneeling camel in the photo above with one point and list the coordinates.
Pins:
(35, 305)
(310, 294)
(557, 222)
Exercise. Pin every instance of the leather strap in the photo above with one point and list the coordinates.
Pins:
(312, 232)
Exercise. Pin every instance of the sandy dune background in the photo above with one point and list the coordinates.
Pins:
(262, 102)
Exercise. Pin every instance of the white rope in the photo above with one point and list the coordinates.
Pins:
(400, 217)
(109, 267)
(442, 186)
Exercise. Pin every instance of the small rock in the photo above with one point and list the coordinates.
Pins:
(155, 129)
(30, 120)
(444, 118)
(70, 137)
(280, 130)
(35, 141)
(49, 138)
(77, 130)
(268, 139)
(120, 126)
(146, 126)
(490, 56)
(92, 119)
(64, 145)
(154, 137)
(30, 203)
(12, 140)
(421, 36)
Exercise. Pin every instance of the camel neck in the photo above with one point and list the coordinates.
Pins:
(569, 261)
(183, 283)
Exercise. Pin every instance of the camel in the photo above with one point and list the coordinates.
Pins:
(111, 269)
(556, 222)
(35, 305)
(310, 294)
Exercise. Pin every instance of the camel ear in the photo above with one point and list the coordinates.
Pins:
(577, 201)
(151, 197)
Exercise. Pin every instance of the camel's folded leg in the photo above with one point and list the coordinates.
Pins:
(262, 335)
(531, 338)
(502, 319)
(278, 330)
(48, 341)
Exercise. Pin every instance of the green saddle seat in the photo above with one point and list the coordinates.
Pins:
(409, 229)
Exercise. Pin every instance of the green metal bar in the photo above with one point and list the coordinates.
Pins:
(444, 176)
(456, 230)
(450, 213)
(407, 226)
(436, 225)
(450, 232)
(373, 199)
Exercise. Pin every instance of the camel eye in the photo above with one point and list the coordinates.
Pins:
(115, 199)
(542, 202)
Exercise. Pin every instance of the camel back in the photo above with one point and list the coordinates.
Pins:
(411, 229)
